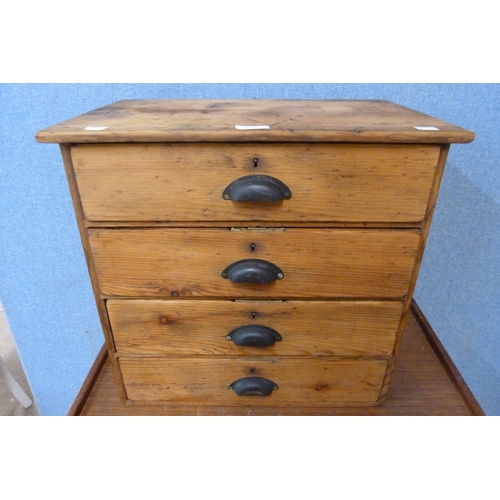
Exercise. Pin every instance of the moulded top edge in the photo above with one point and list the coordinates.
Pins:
(254, 121)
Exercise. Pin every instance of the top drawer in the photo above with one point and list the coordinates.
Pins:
(185, 181)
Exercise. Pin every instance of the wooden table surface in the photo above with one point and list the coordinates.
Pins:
(425, 382)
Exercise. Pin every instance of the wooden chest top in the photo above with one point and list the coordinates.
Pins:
(288, 120)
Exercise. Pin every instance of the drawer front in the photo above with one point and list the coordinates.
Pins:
(185, 182)
(176, 327)
(205, 380)
(314, 262)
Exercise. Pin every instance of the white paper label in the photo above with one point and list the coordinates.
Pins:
(426, 128)
(252, 127)
(95, 128)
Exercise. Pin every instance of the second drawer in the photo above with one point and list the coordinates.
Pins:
(177, 327)
(315, 263)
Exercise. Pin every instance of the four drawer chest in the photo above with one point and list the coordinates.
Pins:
(254, 252)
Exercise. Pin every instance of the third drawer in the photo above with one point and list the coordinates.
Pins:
(305, 328)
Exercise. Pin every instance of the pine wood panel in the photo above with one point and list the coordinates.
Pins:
(306, 381)
(421, 385)
(316, 262)
(289, 120)
(101, 307)
(176, 327)
(425, 231)
(184, 182)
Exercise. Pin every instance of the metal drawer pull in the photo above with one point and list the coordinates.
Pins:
(254, 336)
(253, 386)
(257, 188)
(252, 271)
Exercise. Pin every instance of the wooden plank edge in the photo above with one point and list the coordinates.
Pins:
(52, 135)
(446, 362)
(88, 384)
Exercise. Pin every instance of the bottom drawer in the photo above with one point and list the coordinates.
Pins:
(299, 381)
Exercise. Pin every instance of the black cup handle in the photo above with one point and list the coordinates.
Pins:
(252, 271)
(254, 336)
(257, 188)
(253, 386)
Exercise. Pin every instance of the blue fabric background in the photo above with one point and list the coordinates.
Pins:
(44, 285)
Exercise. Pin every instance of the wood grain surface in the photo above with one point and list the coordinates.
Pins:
(289, 120)
(308, 381)
(184, 182)
(421, 386)
(323, 328)
(315, 262)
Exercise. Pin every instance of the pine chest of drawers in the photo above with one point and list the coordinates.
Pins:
(254, 253)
